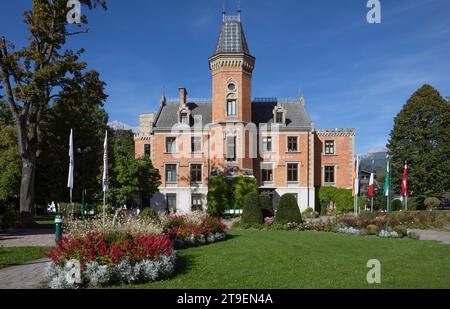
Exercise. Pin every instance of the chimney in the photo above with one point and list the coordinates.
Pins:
(183, 95)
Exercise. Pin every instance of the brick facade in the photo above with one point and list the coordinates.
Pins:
(239, 136)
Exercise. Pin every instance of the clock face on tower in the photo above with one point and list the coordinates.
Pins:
(231, 87)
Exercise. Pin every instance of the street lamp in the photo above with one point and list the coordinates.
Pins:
(83, 152)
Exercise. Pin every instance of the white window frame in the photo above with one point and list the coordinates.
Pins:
(175, 142)
(201, 172)
(264, 182)
(165, 173)
(231, 107)
(298, 172)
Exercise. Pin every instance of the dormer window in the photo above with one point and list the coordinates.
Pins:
(279, 115)
(279, 118)
(184, 118)
(184, 115)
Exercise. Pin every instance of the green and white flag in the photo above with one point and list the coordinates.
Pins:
(387, 185)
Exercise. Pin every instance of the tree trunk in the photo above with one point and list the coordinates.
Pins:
(27, 191)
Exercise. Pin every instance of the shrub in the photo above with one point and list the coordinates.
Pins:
(252, 213)
(432, 202)
(373, 229)
(218, 196)
(10, 217)
(241, 187)
(149, 214)
(266, 206)
(288, 211)
(397, 205)
(401, 230)
(308, 213)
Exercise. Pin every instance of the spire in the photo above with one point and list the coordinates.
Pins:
(232, 39)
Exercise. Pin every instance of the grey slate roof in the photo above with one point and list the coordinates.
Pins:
(262, 113)
(168, 116)
(232, 38)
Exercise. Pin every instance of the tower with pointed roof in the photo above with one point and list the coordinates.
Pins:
(232, 68)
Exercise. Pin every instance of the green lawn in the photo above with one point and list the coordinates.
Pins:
(17, 256)
(280, 259)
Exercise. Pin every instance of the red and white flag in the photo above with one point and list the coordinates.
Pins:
(405, 181)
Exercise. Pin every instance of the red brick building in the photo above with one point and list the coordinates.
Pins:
(233, 134)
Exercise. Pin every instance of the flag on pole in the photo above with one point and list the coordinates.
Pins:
(405, 180)
(371, 191)
(71, 162)
(387, 182)
(105, 164)
(356, 173)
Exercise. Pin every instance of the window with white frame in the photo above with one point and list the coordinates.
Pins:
(231, 148)
(196, 173)
(292, 143)
(330, 148)
(231, 108)
(147, 150)
(171, 144)
(292, 172)
(196, 202)
(267, 143)
(329, 175)
(267, 172)
(184, 118)
(171, 202)
(171, 173)
(196, 144)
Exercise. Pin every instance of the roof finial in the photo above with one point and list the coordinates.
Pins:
(223, 10)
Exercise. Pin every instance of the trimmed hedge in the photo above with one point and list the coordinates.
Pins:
(432, 202)
(149, 213)
(252, 213)
(266, 206)
(288, 211)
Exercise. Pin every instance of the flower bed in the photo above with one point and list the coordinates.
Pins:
(194, 230)
(97, 259)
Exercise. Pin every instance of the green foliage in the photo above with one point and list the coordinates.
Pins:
(266, 206)
(10, 217)
(341, 199)
(9, 162)
(129, 177)
(240, 188)
(420, 136)
(218, 196)
(252, 213)
(373, 229)
(288, 211)
(37, 77)
(308, 213)
(81, 110)
(432, 202)
(149, 214)
(401, 230)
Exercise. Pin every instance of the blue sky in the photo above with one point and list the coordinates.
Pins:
(352, 74)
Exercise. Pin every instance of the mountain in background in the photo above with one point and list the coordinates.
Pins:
(377, 154)
(117, 125)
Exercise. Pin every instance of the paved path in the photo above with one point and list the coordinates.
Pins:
(28, 238)
(27, 276)
(440, 236)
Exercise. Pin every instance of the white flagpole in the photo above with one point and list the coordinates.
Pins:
(71, 168)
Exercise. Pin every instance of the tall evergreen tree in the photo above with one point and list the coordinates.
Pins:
(421, 136)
